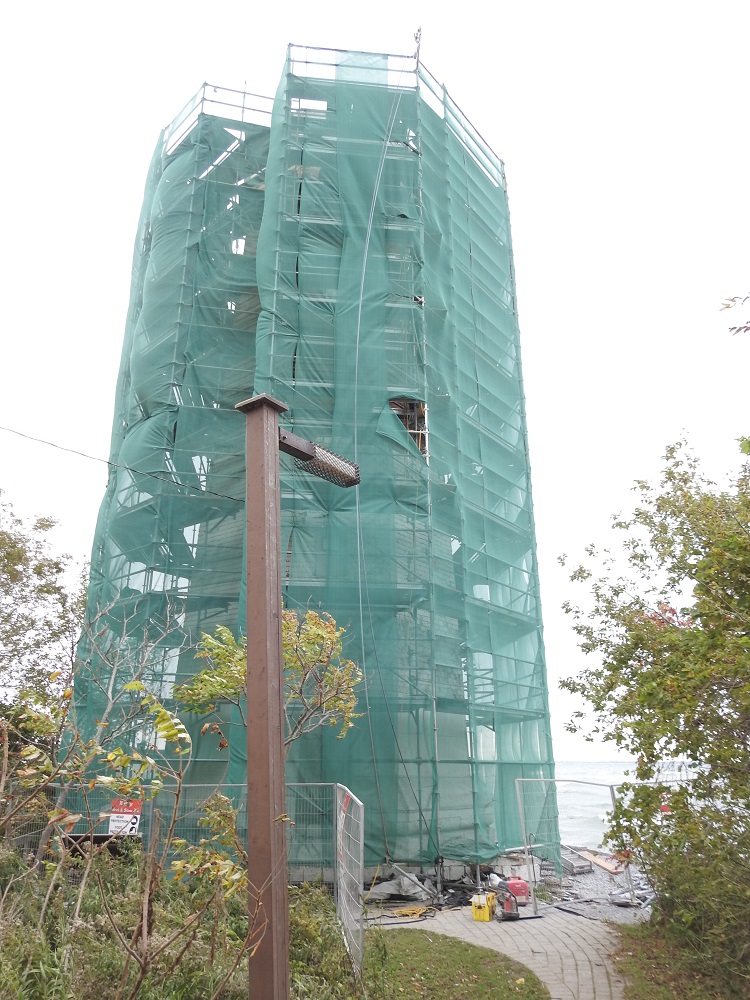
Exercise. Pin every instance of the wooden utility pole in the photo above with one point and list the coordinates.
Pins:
(266, 829)
(266, 808)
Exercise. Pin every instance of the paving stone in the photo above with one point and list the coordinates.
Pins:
(570, 954)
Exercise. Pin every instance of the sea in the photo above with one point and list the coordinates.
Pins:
(584, 797)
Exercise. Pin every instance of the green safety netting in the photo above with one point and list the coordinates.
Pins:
(348, 253)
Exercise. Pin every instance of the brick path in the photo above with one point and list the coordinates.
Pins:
(570, 954)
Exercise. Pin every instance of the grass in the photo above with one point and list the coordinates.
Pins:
(63, 932)
(61, 939)
(657, 968)
(417, 963)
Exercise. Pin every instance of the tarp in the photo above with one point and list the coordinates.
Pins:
(350, 257)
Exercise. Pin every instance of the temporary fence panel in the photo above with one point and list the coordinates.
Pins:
(539, 817)
(350, 846)
(578, 813)
(351, 256)
(563, 811)
(325, 832)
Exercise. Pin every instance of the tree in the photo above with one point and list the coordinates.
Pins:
(671, 631)
(319, 684)
(743, 326)
(40, 620)
(40, 613)
(153, 940)
(54, 773)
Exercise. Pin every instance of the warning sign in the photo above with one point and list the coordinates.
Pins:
(125, 817)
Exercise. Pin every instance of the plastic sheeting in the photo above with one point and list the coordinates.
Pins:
(351, 257)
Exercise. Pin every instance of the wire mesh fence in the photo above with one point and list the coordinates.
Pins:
(561, 821)
(577, 809)
(325, 832)
(580, 809)
(565, 821)
(350, 829)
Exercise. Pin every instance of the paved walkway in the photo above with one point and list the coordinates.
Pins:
(570, 954)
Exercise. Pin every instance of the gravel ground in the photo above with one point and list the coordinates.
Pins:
(590, 895)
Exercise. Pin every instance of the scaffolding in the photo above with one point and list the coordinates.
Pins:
(345, 248)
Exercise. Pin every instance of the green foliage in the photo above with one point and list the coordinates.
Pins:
(319, 965)
(671, 634)
(40, 616)
(167, 725)
(40, 620)
(74, 951)
(319, 683)
(11, 865)
(219, 859)
(656, 967)
(68, 945)
(30, 734)
(223, 680)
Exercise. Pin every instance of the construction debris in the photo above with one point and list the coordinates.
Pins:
(608, 891)
(574, 862)
(406, 886)
(608, 863)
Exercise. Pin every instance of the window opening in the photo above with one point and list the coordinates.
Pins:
(413, 415)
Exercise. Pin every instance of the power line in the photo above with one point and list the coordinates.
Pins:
(138, 472)
(127, 468)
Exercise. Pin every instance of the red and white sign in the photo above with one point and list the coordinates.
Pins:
(125, 817)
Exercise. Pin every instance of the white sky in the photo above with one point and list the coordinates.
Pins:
(623, 127)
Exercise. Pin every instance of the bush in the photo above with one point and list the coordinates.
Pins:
(669, 621)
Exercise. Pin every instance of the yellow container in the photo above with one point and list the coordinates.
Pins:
(483, 906)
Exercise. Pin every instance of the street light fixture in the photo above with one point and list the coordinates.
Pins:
(319, 461)
(266, 810)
